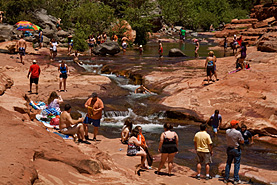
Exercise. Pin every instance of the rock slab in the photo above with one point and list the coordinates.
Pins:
(107, 48)
(174, 52)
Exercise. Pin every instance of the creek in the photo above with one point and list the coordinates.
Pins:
(122, 103)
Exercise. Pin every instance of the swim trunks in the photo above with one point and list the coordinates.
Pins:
(21, 51)
(34, 80)
(210, 70)
(94, 122)
(63, 75)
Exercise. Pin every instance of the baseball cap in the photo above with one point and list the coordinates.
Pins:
(234, 122)
(34, 61)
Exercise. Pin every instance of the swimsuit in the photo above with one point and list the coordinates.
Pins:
(21, 51)
(63, 71)
(132, 149)
(169, 145)
(124, 45)
(210, 67)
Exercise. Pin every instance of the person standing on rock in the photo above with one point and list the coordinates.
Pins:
(63, 71)
(234, 139)
(35, 72)
(160, 49)
(197, 46)
(210, 66)
(247, 136)
(94, 114)
(58, 25)
(21, 48)
(168, 146)
(203, 146)
(71, 127)
(216, 121)
(40, 38)
(1, 16)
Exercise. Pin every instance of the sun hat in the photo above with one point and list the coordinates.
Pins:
(234, 122)
(34, 61)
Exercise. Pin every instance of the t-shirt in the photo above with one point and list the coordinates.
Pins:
(203, 140)
(54, 104)
(54, 44)
(98, 104)
(233, 137)
(215, 120)
(143, 143)
(246, 135)
(183, 32)
(35, 71)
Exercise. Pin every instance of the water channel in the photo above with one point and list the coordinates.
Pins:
(122, 103)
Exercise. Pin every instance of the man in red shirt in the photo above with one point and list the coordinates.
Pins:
(35, 72)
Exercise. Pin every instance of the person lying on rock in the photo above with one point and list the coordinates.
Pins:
(71, 127)
(142, 89)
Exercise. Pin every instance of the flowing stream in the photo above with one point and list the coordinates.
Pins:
(144, 111)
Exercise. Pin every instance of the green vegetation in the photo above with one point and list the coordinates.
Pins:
(93, 16)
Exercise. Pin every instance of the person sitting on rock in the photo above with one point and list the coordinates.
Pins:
(134, 148)
(126, 131)
(142, 89)
(54, 101)
(71, 127)
(241, 55)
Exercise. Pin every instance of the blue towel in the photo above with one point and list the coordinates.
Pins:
(63, 135)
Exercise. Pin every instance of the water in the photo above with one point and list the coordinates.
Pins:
(123, 103)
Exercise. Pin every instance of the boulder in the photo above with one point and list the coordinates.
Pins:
(49, 33)
(44, 20)
(238, 26)
(174, 52)
(110, 48)
(5, 83)
(5, 32)
(262, 12)
(268, 42)
(63, 34)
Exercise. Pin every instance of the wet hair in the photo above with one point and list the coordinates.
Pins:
(22, 36)
(67, 107)
(135, 132)
(138, 127)
(243, 126)
(168, 126)
(129, 124)
(52, 96)
(93, 95)
(216, 111)
(203, 127)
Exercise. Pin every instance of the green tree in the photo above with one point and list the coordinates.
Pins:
(79, 38)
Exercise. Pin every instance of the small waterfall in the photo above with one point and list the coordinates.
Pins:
(92, 68)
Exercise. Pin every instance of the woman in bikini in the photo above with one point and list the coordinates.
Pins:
(63, 71)
(168, 146)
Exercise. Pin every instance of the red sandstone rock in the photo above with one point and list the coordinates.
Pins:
(268, 42)
(238, 26)
(244, 21)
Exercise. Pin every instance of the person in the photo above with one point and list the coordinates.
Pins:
(1, 16)
(142, 89)
(197, 46)
(54, 46)
(94, 114)
(98, 39)
(63, 71)
(76, 57)
(203, 146)
(58, 25)
(210, 66)
(134, 148)
(124, 44)
(182, 34)
(69, 43)
(104, 36)
(35, 72)
(91, 43)
(225, 43)
(216, 121)
(241, 55)
(145, 147)
(114, 37)
(247, 136)
(21, 48)
(54, 101)
(140, 49)
(160, 49)
(126, 131)
(234, 139)
(239, 40)
(71, 127)
(168, 146)
(211, 28)
(235, 44)
(40, 38)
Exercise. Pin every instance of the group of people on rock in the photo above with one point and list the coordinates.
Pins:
(203, 145)
(78, 127)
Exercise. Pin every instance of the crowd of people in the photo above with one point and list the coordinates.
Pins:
(169, 141)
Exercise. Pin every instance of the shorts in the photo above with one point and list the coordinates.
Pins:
(215, 129)
(34, 80)
(98, 42)
(210, 70)
(54, 51)
(225, 45)
(204, 157)
(94, 122)
(90, 45)
(21, 51)
(71, 130)
(63, 75)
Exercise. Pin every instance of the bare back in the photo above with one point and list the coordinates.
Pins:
(22, 43)
(65, 120)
